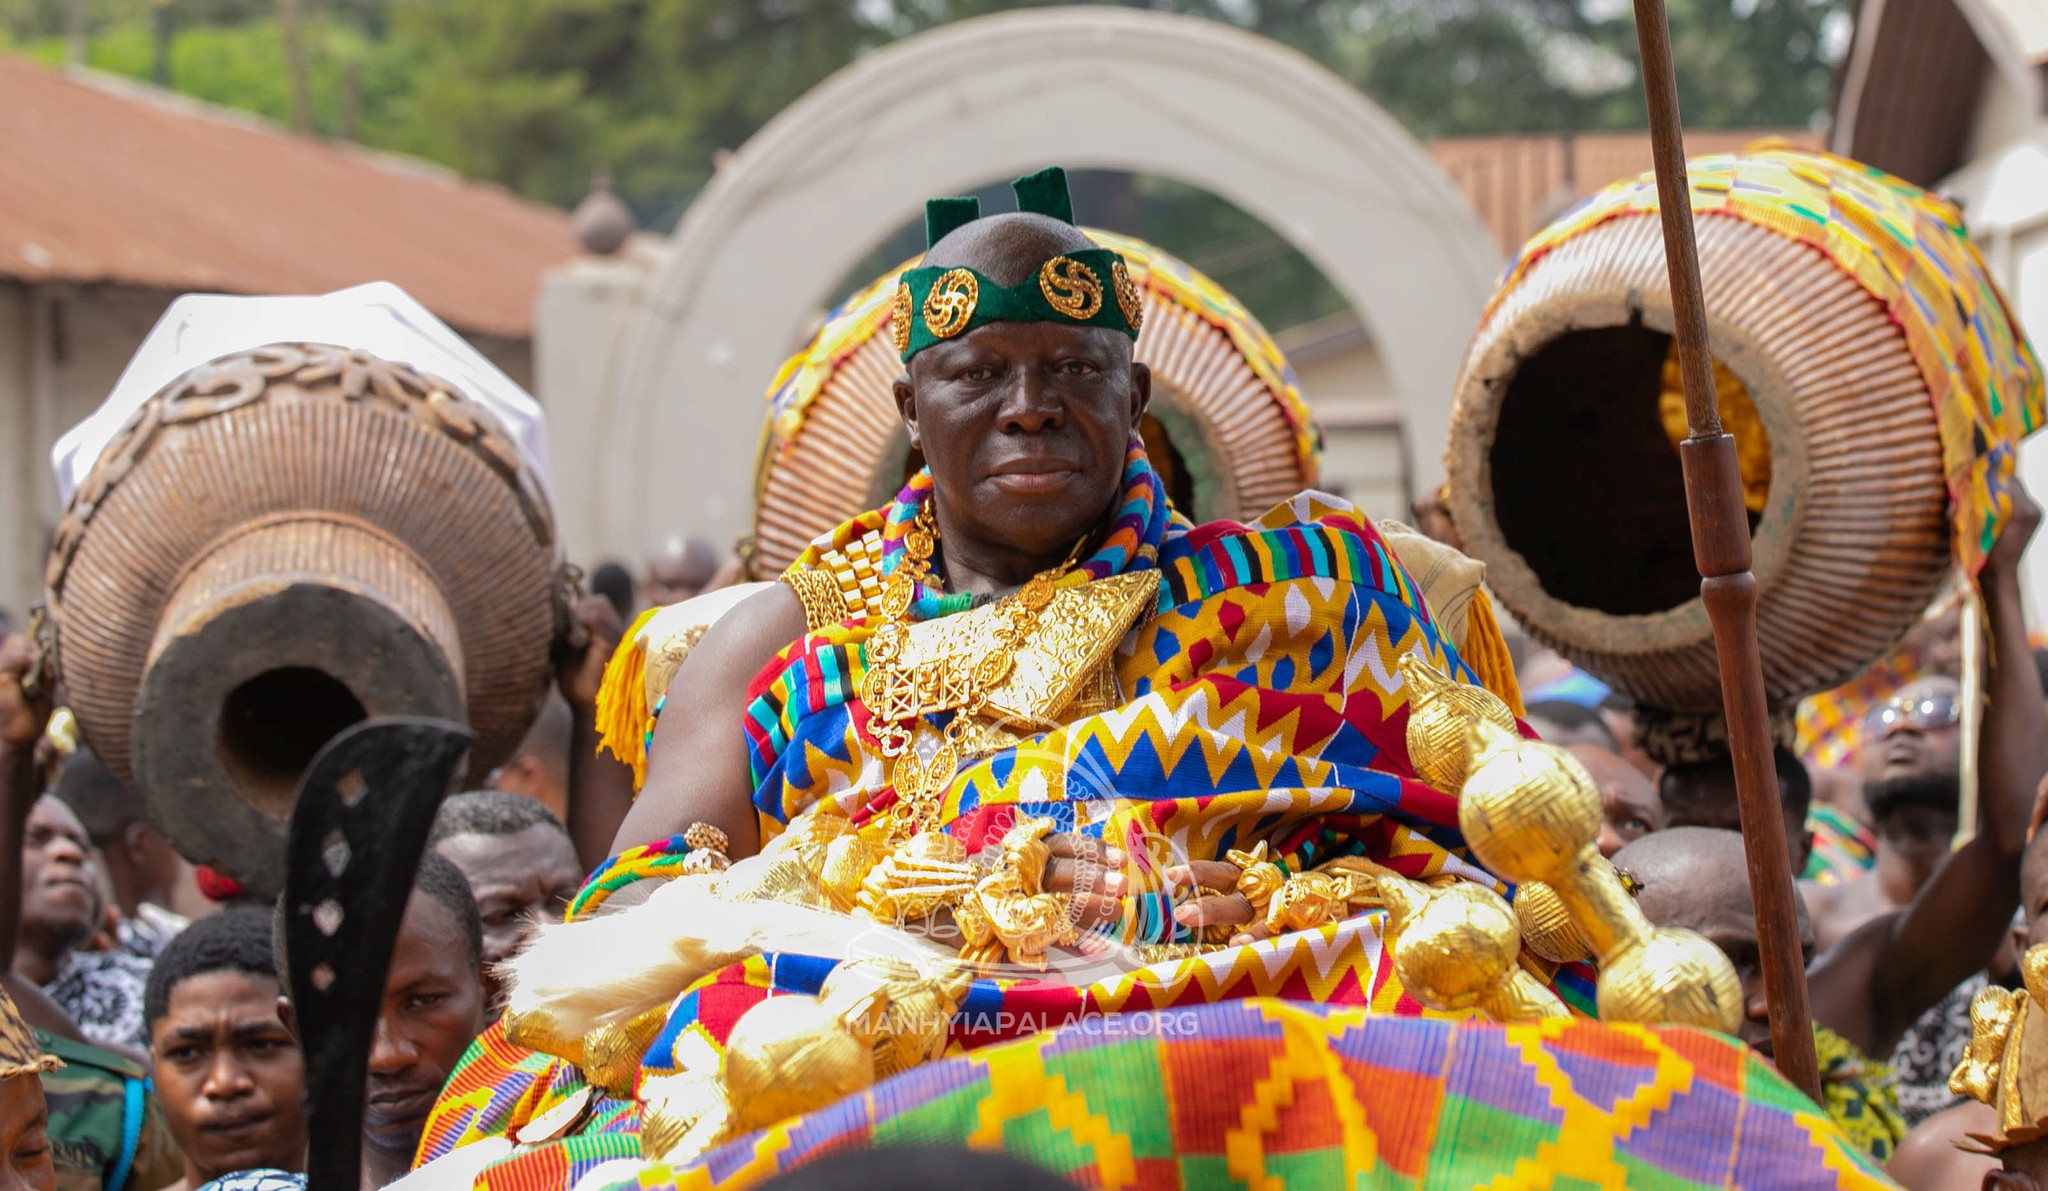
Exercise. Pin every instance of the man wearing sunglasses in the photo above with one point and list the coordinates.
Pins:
(1911, 761)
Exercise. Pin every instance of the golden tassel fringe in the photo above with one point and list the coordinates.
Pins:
(623, 716)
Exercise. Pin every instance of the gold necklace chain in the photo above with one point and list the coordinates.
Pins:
(898, 695)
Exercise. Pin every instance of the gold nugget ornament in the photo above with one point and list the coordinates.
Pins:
(1531, 814)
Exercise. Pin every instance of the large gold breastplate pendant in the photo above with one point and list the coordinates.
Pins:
(1002, 686)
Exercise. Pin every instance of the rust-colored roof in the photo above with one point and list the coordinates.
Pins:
(1518, 183)
(102, 180)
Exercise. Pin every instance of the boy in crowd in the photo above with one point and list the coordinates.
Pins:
(229, 1076)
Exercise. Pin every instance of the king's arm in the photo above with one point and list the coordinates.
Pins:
(697, 764)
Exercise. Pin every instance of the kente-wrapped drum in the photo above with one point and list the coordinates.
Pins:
(1866, 364)
(280, 543)
(1227, 428)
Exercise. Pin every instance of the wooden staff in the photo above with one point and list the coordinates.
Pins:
(1720, 545)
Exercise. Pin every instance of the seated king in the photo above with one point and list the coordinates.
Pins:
(1024, 755)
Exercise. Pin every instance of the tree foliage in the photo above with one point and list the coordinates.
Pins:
(539, 94)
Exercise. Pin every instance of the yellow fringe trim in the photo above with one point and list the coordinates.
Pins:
(623, 716)
(1486, 651)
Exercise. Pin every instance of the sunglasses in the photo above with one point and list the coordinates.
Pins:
(1924, 714)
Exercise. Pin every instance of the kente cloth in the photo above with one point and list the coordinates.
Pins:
(1260, 698)
(1260, 701)
(1907, 248)
(1842, 847)
(1276, 1094)
(1858, 1094)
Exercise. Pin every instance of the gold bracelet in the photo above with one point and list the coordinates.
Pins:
(708, 847)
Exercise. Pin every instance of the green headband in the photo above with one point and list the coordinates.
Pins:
(1089, 288)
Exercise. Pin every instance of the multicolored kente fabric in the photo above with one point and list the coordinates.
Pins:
(1274, 1094)
(1262, 702)
(1907, 248)
(1842, 847)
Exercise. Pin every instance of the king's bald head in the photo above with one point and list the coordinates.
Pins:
(1008, 248)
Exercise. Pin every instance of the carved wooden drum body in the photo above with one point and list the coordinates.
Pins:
(1868, 367)
(1227, 428)
(279, 544)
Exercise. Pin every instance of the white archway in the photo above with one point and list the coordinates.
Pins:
(803, 201)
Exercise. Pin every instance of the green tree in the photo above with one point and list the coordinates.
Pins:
(539, 94)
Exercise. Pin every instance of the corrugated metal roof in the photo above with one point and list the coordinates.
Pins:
(102, 180)
(1518, 183)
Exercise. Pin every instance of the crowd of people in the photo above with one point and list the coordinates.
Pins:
(157, 986)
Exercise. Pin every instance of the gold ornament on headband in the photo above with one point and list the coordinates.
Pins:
(949, 307)
(1128, 299)
(2006, 1063)
(1070, 287)
(900, 315)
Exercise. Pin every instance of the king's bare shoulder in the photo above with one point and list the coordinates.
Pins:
(697, 764)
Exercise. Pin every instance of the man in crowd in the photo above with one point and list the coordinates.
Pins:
(1929, 1159)
(682, 568)
(28, 1163)
(1911, 759)
(228, 1074)
(61, 906)
(138, 859)
(1702, 794)
(520, 865)
(539, 768)
(1874, 983)
(1564, 723)
(433, 1008)
(1629, 806)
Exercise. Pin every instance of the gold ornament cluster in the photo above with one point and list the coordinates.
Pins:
(898, 694)
(1128, 299)
(1068, 286)
(1527, 809)
(1531, 814)
(899, 318)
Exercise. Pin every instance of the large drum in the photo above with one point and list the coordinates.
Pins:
(1867, 366)
(1227, 427)
(281, 543)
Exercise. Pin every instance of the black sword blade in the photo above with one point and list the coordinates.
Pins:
(357, 832)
